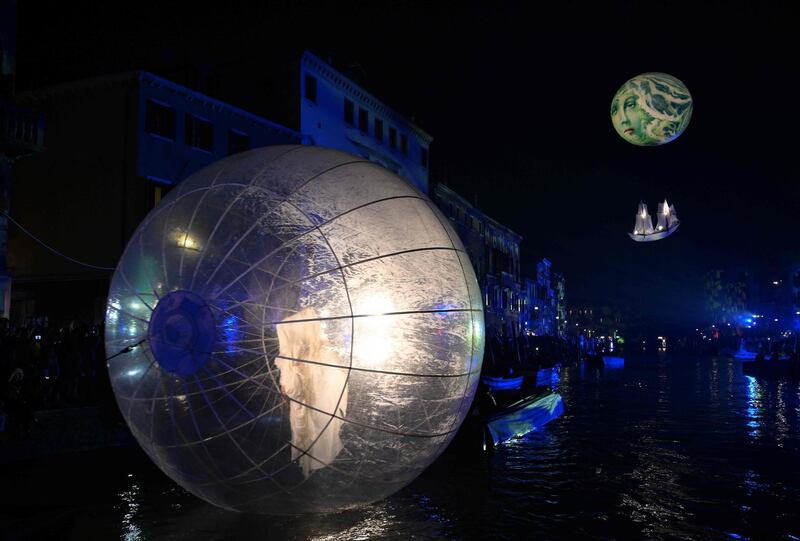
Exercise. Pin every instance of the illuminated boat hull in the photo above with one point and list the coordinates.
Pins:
(502, 384)
(524, 416)
(613, 361)
(658, 235)
(777, 367)
(744, 355)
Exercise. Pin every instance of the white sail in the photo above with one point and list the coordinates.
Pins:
(667, 223)
(644, 223)
(663, 216)
(672, 219)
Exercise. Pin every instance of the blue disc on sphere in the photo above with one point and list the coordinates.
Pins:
(181, 332)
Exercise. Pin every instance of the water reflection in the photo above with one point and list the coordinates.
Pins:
(781, 423)
(753, 406)
(668, 448)
(131, 531)
(376, 524)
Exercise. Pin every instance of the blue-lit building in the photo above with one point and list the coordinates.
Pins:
(774, 300)
(336, 112)
(513, 304)
(114, 146)
(560, 288)
(494, 251)
(545, 313)
(544, 317)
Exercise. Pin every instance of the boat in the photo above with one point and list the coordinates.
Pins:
(548, 377)
(744, 354)
(502, 384)
(777, 365)
(524, 416)
(778, 357)
(497, 417)
(613, 361)
(667, 223)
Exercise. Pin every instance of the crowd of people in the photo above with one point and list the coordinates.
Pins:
(45, 366)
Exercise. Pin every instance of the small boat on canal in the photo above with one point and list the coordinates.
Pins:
(523, 416)
(743, 354)
(497, 417)
(776, 364)
(613, 361)
(502, 384)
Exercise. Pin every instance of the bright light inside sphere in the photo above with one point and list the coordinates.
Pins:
(376, 345)
(185, 240)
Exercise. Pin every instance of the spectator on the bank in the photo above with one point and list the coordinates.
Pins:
(18, 406)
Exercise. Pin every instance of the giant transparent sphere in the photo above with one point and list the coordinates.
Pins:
(308, 331)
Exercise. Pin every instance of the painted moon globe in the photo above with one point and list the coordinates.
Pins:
(651, 109)
(306, 332)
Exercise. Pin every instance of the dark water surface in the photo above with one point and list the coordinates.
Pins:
(664, 448)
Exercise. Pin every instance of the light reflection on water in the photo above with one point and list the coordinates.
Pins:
(664, 448)
(130, 505)
(753, 405)
(658, 450)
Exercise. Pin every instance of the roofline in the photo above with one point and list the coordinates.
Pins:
(154, 80)
(145, 77)
(489, 219)
(75, 86)
(378, 104)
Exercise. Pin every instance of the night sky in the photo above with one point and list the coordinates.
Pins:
(517, 99)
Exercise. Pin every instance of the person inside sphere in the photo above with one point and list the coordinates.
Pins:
(316, 391)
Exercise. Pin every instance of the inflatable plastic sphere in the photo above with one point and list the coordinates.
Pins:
(308, 331)
(651, 109)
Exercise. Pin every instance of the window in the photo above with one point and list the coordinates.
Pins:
(392, 138)
(349, 112)
(423, 157)
(379, 129)
(404, 144)
(159, 119)
(311, 88)
(237, 142)
(199, 133)
(363, 120)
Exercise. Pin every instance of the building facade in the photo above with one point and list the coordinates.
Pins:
(545, 323)
(595, 321)
(494, 251)
(21, 136)
(560, 287)
(336, 112)
(114, 146)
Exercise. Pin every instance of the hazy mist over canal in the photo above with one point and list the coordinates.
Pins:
(668, 447)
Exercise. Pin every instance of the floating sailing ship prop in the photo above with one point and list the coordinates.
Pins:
(667, 224)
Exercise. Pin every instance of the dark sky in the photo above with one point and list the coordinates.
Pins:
(517, 98)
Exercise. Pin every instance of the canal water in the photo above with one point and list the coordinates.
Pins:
(667, 447)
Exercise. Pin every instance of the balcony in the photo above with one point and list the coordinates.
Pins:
(21, 130)
(508, 280)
